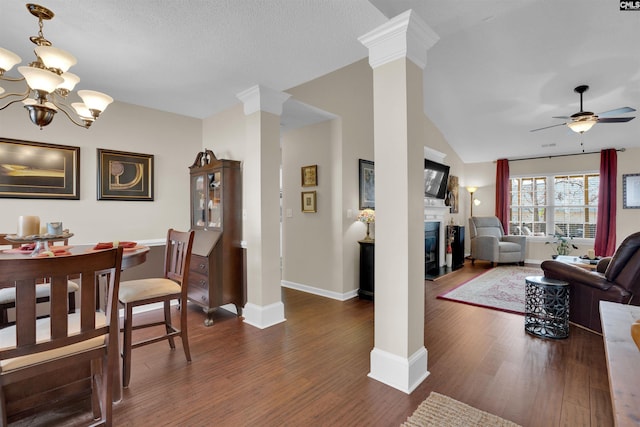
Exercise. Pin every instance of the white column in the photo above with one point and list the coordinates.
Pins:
(261, 205)
(397, 54)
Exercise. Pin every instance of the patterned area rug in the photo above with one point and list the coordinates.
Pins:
(441, 411)
(501, 288)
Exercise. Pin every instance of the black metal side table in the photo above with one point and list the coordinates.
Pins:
(546, 307)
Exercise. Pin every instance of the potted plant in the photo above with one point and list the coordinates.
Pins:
(561, 245)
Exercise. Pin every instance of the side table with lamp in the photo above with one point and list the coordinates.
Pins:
(367, 256)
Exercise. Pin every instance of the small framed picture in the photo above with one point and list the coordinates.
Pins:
(367, 184)
(125, 176)
(309, 176)
(309, 201)
(631, 191)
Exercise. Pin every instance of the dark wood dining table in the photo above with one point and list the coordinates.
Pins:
(130, 258)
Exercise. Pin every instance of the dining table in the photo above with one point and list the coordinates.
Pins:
(131, 257)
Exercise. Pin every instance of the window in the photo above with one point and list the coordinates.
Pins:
(546, 205)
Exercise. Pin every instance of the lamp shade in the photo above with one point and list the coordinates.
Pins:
(8, 59)
(39, 79)
(70, 81)
(581, 126)
(52, 57)
(82, 110)
(472, 189)
(95, 100)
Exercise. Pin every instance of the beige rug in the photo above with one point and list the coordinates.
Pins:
(501, 288)
(442, 411)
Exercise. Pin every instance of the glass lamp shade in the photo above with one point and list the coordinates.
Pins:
(95, 100)
(31, 101)
(70, 81)
(582, 126)
(1, 91)
(8, 59)
(52, 57)
(82, 110)
(39, 79)
(472, 189)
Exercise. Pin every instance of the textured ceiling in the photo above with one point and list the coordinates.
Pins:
(501, 67)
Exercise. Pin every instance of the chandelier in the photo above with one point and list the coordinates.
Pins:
(49, 82)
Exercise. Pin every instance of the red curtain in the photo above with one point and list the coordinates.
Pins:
(605, 244)
(502, 193)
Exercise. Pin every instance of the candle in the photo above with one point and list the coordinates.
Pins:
(28, 225)
(591, 254)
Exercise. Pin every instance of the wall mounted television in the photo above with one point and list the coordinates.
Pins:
(436, 178)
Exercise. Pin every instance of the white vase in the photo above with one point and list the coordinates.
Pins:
(449, 260)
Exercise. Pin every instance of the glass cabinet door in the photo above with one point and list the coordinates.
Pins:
(214, 207)
(198, 199)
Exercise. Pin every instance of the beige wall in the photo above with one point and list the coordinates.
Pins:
(311, 241)
(483, 176)
(174, 141)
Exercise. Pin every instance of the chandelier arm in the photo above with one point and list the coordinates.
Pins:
(23, 95)
(12, 79)
(62, 107)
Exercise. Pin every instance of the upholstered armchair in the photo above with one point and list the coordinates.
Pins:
(616, 279)
(489, 243)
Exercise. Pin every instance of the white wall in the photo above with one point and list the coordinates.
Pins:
(174, 141)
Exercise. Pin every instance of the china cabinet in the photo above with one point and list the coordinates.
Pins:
(216, 270)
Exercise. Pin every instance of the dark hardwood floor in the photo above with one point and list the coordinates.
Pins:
(312, 370)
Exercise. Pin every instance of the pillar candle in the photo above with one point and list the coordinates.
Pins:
(28, 225)
(591, 254)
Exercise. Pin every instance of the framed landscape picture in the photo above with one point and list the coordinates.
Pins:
(125, 176)
(34, 170)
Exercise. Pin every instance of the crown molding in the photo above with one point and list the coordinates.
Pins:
(261, 98)
(404, 36)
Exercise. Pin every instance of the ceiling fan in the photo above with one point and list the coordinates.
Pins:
(582, 121)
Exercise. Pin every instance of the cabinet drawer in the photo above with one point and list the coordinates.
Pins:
(199, 264)
(198, 281)
(198, 296)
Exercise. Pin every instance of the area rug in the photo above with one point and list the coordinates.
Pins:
(441, 411)
(501, 288)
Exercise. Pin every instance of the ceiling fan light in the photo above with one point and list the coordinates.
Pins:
(8, 59)
(39, 79)
(52, 57)
(95, 100)
(581, 126)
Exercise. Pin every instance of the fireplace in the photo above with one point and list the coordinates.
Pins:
(431, 249)
(434, 219)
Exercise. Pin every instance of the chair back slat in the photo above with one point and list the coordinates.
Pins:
(26, 317)
(58, 309)
(178, 256)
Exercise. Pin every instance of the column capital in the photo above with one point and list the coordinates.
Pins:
(261, 98)
(405, 35)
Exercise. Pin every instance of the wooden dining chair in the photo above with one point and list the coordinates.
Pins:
(8, 294)
(35, 349)
(172, 286)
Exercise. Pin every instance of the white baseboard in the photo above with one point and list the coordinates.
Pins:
(263, 316)
(318, 291)
(400, 373)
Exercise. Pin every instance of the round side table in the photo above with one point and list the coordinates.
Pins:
(546, 307)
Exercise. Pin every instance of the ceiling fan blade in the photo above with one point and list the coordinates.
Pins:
(615, 119)
(547, 127)
(616, 111)
(561, 117)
